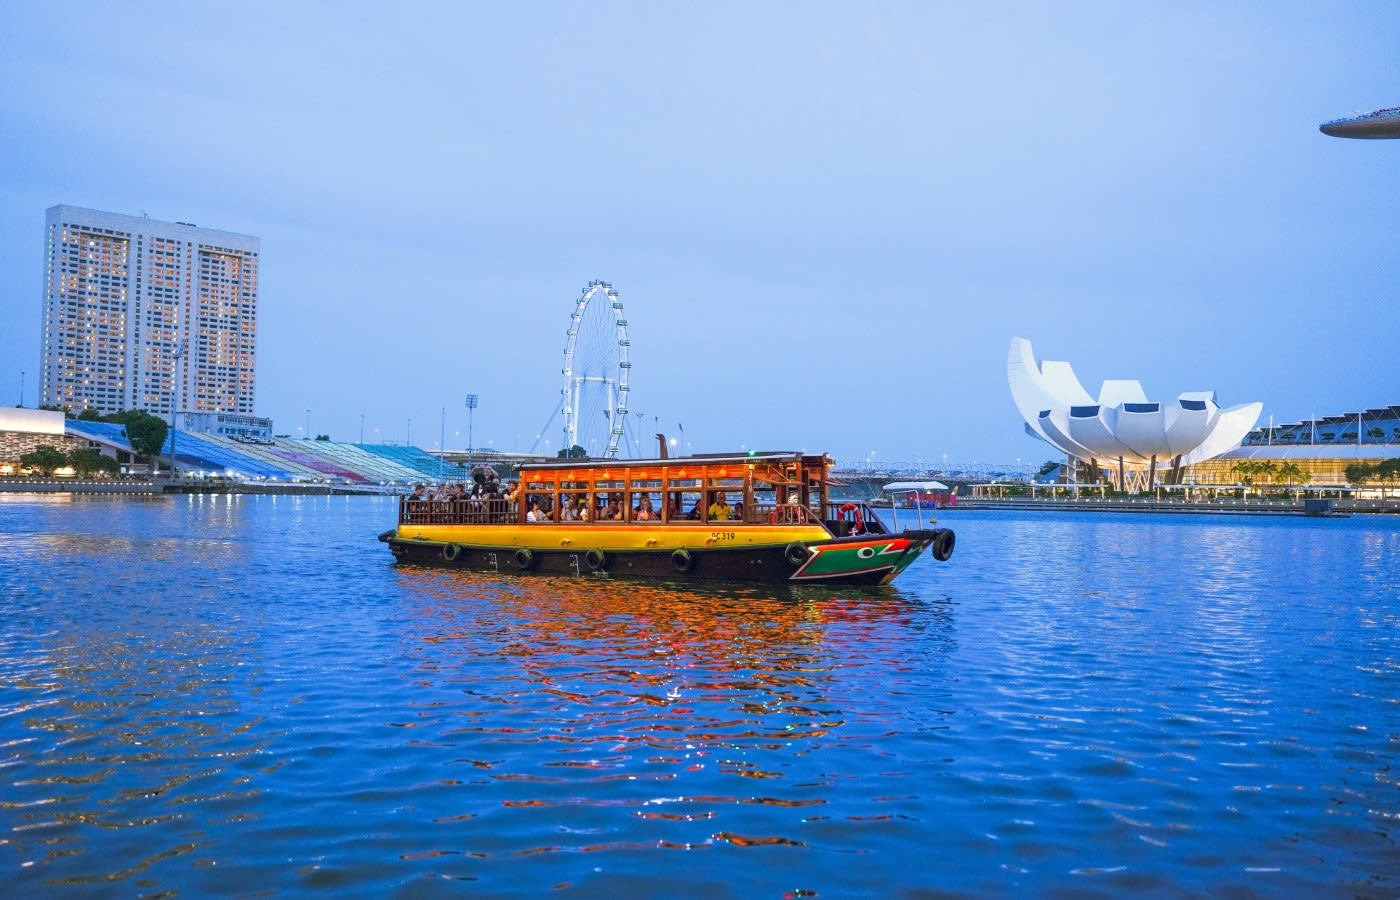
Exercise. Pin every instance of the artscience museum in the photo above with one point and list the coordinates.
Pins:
(1122, 435)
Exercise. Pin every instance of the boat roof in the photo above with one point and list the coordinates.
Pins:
(693, 459)
(897, 486)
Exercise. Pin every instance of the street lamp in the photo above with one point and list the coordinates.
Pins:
(175, 402)
(308, 424)
(362, 428)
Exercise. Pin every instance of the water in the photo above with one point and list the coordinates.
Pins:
(243, 695)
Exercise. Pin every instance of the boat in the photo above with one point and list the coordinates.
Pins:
(752, 516)
(915, 495)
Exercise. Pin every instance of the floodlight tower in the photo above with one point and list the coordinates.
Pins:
(471, 411)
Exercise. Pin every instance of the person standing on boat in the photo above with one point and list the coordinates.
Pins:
(719, 510)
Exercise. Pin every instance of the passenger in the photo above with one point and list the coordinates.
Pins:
(584, 515)
(719, 510)
(614, 511)
(513, 493)
(535, 514)
(739, 511)
(419, 492)
(643, 511)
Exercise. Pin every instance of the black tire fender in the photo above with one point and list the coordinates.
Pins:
(451, 552)
(943, 543)
(595, 559)
(682, 560)
(796, 553)
(524, 559)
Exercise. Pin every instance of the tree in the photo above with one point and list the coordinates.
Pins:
(45, 458)
(89, 415)
(1358, 472)
(1266, 468)
(574, 452)
(88, 461)
(1047, 467)
(323, 437)
(145, 432)
(1290, 472)
(1375, 434)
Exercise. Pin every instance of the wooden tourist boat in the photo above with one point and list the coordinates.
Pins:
(743, 517)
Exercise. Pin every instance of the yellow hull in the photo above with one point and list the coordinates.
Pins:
(622, 536)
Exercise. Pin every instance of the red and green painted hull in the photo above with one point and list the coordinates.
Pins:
(867, 559)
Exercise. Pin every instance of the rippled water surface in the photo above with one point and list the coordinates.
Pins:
(241, 695)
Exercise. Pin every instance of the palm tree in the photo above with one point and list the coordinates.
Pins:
(1290, 472)
(1267, 469)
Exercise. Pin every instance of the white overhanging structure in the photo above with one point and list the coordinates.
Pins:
(1122, 426)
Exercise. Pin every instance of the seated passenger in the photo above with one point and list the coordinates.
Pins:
(643, 511)
(719, 510)
(535, 514)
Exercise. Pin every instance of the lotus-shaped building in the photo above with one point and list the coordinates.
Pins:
(1121, 427)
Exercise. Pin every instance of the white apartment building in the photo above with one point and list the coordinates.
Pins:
(124, 296)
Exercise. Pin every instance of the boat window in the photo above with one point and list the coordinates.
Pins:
(650, 501)
(684, 506)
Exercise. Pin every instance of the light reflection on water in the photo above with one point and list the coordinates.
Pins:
(225, 694)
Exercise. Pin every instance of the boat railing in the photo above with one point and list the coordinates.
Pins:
(777, 514)
(842, 517)
(469, 511)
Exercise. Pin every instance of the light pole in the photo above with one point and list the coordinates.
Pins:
(442, 442)
(472, 400)
(175, 402)
(409, 442)
(362, 428)
(308, 424)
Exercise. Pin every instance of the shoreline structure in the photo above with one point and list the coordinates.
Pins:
(1254, 506)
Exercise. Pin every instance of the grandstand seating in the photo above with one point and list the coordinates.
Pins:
(285, 459)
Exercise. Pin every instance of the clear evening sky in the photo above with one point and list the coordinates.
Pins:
(826, 221)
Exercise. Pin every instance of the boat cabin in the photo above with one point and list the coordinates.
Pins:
(738, 490)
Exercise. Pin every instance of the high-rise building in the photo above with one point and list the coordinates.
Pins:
(143, 314)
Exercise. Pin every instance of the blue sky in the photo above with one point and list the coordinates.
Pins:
(826, 221)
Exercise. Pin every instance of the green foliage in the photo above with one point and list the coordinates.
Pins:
(1359, 472)
(89, 415)
(574, 452)
(1047, 467)
(45, 459)
(1375, 433)
(146, 432)
(54, 407)
(88, 461)
(323, 437)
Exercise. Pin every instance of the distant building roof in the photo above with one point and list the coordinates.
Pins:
(1383, 123)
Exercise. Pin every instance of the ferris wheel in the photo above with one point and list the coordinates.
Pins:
(596, 372)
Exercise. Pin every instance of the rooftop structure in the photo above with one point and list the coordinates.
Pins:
(1383, 123)
(1121, 425)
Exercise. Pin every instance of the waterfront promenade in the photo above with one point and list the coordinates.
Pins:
(1218, 505)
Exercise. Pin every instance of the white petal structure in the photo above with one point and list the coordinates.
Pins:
(1122, 423)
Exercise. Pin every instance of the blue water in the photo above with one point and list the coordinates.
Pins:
(244, 695)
